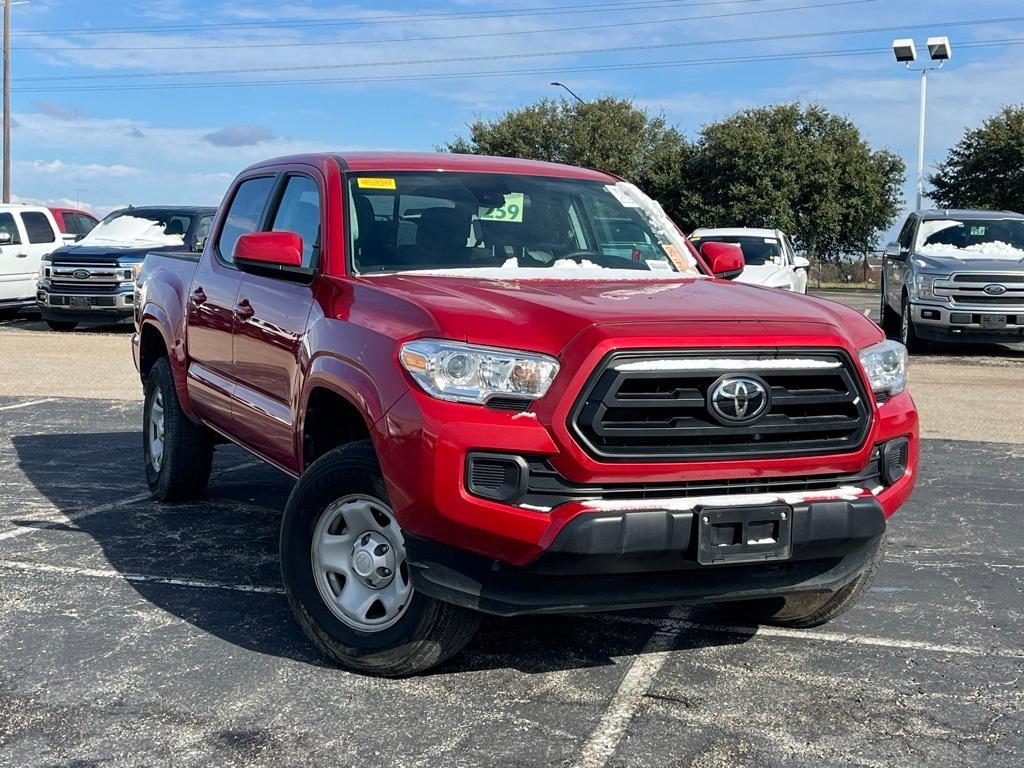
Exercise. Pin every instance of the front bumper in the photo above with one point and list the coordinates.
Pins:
(55, 303)
(938, 322)
(619, 560)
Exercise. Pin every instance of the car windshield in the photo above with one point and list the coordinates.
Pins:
(972, 237)
(140, 227)
(498, 225)
(757, 251)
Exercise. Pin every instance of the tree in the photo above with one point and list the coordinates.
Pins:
(798, 169)
(986, 168)
(607, 133)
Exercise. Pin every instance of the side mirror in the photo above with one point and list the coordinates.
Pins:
(69, 238)
(801, 262)
(5, 238)
(725, 259)
(263, 252)
(893, 251)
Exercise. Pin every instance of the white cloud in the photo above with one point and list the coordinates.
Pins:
(76, 170)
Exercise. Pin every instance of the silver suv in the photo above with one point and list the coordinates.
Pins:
(955, 276)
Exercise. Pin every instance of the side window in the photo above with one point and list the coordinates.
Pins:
(71, 223)
(37, 227)
(7, 225)
(299, 212)
(85, 224)
(203, 228)
(245, 214)
(907, 233)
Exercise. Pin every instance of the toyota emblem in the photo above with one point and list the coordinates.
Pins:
(739, 399)
(995, 289)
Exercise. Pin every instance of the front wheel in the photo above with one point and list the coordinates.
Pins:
(889, 319)
(805, 611)
(344, 567)
(908, 331)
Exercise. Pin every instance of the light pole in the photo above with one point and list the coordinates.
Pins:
(906, 53)
(7, 95)
(570, 90)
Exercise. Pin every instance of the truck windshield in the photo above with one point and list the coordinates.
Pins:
(141, 227)
(966, 237)
(757, 251)
(481, 224)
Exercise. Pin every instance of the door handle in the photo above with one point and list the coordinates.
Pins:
(198, 297)
(244, 310)
(21, 255)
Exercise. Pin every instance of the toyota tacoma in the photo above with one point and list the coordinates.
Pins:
(493, 403)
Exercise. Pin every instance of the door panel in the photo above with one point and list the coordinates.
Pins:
(17, 275)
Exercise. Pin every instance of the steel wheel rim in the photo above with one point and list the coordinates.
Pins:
(359, 563)
(155, 431)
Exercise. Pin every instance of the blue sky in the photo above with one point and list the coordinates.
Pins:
(90, 125)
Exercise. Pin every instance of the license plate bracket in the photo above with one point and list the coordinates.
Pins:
(993, 321)
(728, 535)
(80, 302)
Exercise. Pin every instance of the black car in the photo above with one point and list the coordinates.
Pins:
(93, 280)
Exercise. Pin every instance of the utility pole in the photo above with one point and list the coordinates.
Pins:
(7, 101)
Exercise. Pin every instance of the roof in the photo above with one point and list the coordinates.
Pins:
(735, 232)
(442, 161)
(170, 208)
(964, 213)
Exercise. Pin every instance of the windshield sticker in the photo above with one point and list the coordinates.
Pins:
(371, 183)
(677, 258)
(978, 231)
(511, 211)
(771, 241)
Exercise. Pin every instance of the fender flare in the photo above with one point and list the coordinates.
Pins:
(154, 316)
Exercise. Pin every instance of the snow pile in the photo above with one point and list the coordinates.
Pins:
(994, 250)
(561, 269)
(129, 231)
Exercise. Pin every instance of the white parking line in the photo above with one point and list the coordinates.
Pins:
(27, 404)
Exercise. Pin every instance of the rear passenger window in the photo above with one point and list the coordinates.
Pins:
(71, 224)
(203, 229)
(37, 227)
(299, 212)
(244, 215)
(85, 224)
(7, 225)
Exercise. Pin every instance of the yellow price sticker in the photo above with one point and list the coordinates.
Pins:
(511, 211)
(371, 183)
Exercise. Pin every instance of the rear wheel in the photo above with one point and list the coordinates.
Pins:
(344, 567)
(178, 453)
(61, 325)
(908, 331)
(805, 611)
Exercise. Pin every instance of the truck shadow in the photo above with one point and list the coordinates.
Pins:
(217, 550)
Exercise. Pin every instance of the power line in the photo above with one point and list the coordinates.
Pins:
(549, 54)
(616, 25)
(466, 36)
(682, 63)
(554, 10)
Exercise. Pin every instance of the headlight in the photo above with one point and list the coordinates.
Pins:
(130, 274)
(470, 374)
(886, 367)
(923, 286)
(44, 270)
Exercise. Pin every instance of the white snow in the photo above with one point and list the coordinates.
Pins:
(996, 250)
(128, 231)
(725, 364)
(562, 269)
(843, 493)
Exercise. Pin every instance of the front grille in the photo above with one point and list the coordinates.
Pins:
(967, 289)
(978, 277)
(72, 274)
(986, 300)
(654, 406)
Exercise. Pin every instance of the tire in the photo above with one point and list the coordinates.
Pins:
(805, 611)
(180, 469)
(61, 325)
(337, 503)
(908, 332)
(889, 320)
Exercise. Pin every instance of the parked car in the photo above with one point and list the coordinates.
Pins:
(73, 222)
(28, 233)
(490, 406)
(768, 253)
(955, 276)
(93, 280)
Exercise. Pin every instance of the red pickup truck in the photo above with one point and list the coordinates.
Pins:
(513, 387)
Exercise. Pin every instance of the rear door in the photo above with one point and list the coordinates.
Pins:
(212, 303)
(271, 327)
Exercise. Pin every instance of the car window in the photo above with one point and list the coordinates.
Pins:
(299, 212)
(37, 227)
(757, 251)
(245, 214)
(203, 228)
(7, 225)
(906, 233)
(85, 224)
(70, 223)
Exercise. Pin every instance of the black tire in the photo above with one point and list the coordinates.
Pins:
(805, 611)
(908, 332)
(425, 635)
(889, 319)
(187, 457)
(61, 325)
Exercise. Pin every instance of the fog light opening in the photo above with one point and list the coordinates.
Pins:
(895, 458)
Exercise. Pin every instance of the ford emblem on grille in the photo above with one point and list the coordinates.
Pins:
(739, 399)
(81, 274)
(995, 289)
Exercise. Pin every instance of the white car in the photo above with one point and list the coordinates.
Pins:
(27, 233)
(768, 253)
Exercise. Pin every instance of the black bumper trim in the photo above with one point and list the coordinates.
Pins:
(613, 561)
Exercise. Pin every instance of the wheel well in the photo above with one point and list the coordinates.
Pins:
(331, 421)
(151, 349)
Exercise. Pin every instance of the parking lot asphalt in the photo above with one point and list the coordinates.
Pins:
(141, 634)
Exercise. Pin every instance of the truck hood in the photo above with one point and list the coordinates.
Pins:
(545, 315)
(92, 254)
(952, 262)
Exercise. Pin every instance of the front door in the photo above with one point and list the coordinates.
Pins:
(212, 306)
(31, 236)
(271, 328)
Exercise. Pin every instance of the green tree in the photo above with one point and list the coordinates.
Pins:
(800, 169)
(607, 133)
(986, 168)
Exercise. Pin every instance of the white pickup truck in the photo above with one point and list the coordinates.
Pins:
(27, 234)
